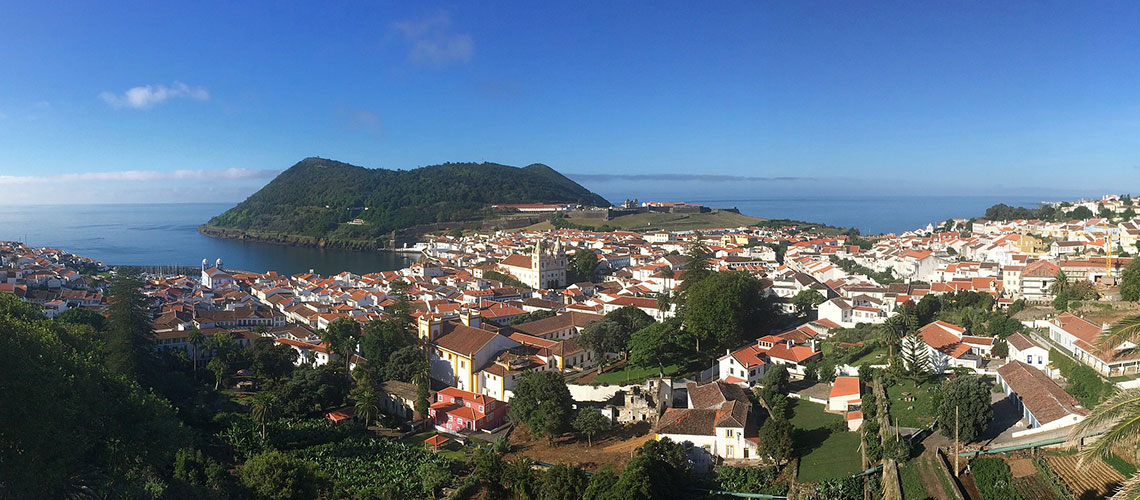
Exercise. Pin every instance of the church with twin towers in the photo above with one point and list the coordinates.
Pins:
(544, 268)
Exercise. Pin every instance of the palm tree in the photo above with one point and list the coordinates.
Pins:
(893, 331)
(423, 383)
(1117, 417)
(1060, 284)
(195, 339)
(263, 409)
(367, 408)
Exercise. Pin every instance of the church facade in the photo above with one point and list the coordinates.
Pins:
(544, 268)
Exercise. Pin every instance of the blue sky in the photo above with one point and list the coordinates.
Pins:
(205, 101)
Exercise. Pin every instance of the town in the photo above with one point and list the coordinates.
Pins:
(797, 357)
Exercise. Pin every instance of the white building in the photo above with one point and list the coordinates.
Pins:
(542, 269)
(1043, 404)
(1028, 351)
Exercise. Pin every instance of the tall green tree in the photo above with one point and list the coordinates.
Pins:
(589, 422)
(272, 360)
(582, 265)
(1130, 281)
(264, 409)
(806, 300)
(543, 402)
(563, 482)
(603, 486)
(970, 397)
(726, 308)
(367, 404)
(195, 338)
(84, 316)
(71, 427)
(915, 358)
(630, 318)
(893, 330)
(655, 344)
(404, 364)
(342, 338)
(603, 337)
(423, 384)
(659, 470)
(129, 334)
(222, 347)
(776, 439)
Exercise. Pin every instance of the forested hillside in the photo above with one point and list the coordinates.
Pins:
(317, 197)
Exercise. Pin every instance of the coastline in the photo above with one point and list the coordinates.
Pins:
(286, 239)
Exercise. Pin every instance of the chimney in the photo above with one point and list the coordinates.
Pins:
(789, 342)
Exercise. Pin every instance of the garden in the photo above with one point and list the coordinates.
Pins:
(911, 406)
(825, 447)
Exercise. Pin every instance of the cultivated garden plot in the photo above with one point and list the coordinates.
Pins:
(1092, 480)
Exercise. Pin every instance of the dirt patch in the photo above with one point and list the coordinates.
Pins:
(612, 449)
(1021, 467)
(929, 474)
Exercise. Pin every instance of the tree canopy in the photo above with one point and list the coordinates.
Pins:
(724, 309)
(71, 424)
(543, 402)
(970, 396)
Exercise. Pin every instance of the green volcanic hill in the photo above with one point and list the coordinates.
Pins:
(313, 201)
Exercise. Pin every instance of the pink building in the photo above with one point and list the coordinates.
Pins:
(457, 410)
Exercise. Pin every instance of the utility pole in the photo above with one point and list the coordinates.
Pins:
(957, 445)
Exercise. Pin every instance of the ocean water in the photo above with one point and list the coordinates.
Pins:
(167, 235)
(870, 215)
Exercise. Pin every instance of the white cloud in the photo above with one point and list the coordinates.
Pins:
(149, 95)
(140, 176)
(431, 42)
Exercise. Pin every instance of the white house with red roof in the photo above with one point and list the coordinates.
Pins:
(846, 397)
(744, 366)
(1082, 339)
(948, 346)
(1023, 348)
(848, 312)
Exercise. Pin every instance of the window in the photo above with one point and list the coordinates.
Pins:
(728, 433)
(1039, 359)
(1029, 358)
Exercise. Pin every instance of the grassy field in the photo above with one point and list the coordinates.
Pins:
(912, 484)
(877, 356)
(915, 413)
(633, 375)
(715, 219)
(824, 453)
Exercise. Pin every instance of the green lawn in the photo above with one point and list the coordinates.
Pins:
(452, 450)
(877, 356)
(824, 453)
(917, 413)
(633, 375)
(911, 476)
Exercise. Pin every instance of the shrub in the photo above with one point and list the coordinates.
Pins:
(750, 480)
(993, 479)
